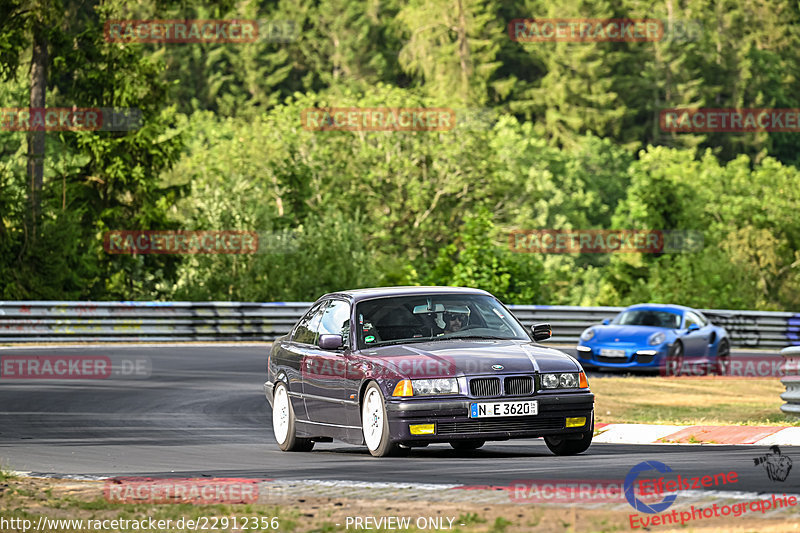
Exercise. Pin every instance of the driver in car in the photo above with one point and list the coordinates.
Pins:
(454, 319)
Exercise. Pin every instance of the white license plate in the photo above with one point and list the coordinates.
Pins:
(612, 353)
(490, 409)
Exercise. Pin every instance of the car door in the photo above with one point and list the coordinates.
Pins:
(294, 351)
(695, 343)
(325, 370)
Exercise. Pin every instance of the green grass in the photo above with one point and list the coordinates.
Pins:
(681, 401)
(5, 474)
(470, 519)
(500, 525)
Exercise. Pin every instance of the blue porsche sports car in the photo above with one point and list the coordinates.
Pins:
(670, 338)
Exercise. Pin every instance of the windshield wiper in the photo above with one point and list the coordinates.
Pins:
(487, 337)
(402, 341)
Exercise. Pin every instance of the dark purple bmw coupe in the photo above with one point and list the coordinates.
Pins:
(401, 367)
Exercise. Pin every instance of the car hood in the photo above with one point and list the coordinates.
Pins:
(454, 357)
(625, 334)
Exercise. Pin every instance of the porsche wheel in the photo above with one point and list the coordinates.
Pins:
(723, 363)
(375, 423)
(283, 423)
(674, 361)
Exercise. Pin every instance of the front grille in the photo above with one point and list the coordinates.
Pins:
(499, 424)
(603, 359)
(519, 385)
(484, 387)
(645, 358)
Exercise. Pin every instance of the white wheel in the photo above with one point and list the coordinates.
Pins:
(375, 424)
(280, 414)
(283, 423)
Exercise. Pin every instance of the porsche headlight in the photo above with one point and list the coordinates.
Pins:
(435, 386)
(587, 335)
(656, 338)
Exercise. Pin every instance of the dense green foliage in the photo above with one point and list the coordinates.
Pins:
(559, 135)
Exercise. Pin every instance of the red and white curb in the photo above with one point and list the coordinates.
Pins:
(665, 434)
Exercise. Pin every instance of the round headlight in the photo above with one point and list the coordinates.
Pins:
(444, 386)
(434, 386)
(587, 334)
(569, 381)
(657, 338)
(550, 381)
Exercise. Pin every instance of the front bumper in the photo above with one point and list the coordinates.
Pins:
(650, 357)
(452, 422)
(269, 391)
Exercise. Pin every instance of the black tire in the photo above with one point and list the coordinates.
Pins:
(723, 362)
(375, 423)
(564, 446)
(283, 422)
(673, 366)
(467, 445)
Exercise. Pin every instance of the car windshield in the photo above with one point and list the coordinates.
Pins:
(402, 319)
(648, 317)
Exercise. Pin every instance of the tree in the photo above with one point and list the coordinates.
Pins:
(476, 259)
(98, 180)
(452, 46)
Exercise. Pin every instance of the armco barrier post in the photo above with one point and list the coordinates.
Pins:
(791, 379)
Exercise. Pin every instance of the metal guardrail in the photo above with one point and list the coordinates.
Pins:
(791, 366)
(54, 321)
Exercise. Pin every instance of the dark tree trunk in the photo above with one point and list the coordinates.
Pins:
(36, 139)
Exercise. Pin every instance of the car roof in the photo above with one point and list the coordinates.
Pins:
(661, 307)
(378, 292)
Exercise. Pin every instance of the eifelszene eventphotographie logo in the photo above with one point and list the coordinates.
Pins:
(630, 484)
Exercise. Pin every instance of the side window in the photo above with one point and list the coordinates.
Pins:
(692, 318)
(306, 330)
(336, 320)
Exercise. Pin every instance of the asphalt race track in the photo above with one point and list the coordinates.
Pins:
(202, 412)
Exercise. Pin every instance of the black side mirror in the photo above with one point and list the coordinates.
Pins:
(541, 332)
(330, 342)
